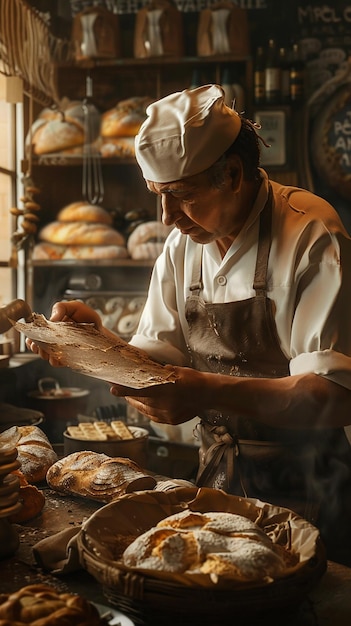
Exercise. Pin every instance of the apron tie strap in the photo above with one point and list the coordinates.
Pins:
(225, 448)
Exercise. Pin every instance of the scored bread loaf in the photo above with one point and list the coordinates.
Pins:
(81, 233)
(215, 543)
(97, 476)
(42, 605)
(35, 452)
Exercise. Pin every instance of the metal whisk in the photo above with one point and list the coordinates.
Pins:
(92, 181)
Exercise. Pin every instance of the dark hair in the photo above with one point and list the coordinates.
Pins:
(247, 147)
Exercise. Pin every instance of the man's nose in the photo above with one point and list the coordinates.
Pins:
(170, 209)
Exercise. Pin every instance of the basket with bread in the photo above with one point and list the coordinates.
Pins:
(200, 555)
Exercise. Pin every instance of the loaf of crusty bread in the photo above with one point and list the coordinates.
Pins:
(119, 147)
(97, 476)
(35, 452)
(214, 543)
(125, 119)
(81, 233)
(56, 134)
(146, 241)
(82, 211)
(42, 605)
(44, 251)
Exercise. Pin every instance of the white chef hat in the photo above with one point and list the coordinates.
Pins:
(185, 133)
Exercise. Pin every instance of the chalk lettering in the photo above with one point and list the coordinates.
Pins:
(323, 14)
(345, 160)
(343, 144)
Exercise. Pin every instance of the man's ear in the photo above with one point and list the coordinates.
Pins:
(236, 173)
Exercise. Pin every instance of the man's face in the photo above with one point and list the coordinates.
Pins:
(198, 209)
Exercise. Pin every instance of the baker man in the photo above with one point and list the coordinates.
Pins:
(250, 302)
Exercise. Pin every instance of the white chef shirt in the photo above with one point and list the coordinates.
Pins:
(309, 280)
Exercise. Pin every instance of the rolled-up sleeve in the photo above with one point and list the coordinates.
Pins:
(160, 332)
(321, 324)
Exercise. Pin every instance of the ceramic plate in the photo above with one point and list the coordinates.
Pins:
(117, 618)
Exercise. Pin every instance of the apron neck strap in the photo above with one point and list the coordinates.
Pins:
(196, 284)
(264, 246)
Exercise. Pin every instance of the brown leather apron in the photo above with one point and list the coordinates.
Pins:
(292, 468)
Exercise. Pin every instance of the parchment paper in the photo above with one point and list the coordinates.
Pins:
(119, 522)
(84, 349)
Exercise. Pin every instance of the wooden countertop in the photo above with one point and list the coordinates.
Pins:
(329, 604)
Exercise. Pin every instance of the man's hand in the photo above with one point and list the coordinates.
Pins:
(65, 312)
(169, 403)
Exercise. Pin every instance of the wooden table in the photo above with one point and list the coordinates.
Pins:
(329, 604)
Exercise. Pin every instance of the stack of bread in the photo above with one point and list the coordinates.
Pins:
(35, 456)
(120, 125)
(214, 543)
(81, 231)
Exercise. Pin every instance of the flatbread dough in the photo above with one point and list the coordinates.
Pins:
(84, 349)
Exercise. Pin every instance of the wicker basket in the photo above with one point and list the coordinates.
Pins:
(165, 598)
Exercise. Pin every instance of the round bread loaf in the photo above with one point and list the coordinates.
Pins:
(125, 119)
(214, 543)
(81, 234)
(44, 606)
(84, 212)
(147, 240)
(56, 134)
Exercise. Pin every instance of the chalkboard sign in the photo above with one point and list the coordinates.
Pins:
(331, 141)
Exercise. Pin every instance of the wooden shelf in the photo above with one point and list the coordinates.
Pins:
(118, 79)
(71, 263)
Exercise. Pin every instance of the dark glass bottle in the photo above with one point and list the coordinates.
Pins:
(195, 79)
(272, 74)
(297, 76)
(259, 76)
(284, 75)
(226, 82)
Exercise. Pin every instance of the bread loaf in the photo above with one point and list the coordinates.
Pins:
(81, 233)
(56, 134)
(84, 212)
(44, 250)
(147, 240)
(97, 476)
(35, 452)
(125, 119)
(120, 147)
(42, 605)
(214, 543)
